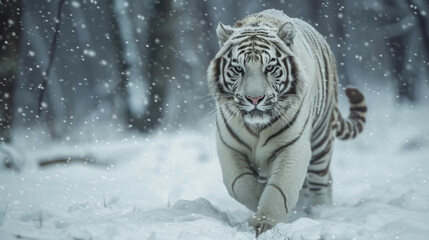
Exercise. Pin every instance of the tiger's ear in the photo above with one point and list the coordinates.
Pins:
(223, 33)
(287, 33)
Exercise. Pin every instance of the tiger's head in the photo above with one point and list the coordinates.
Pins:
(254, 71)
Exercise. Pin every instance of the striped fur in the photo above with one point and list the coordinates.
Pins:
(281, 147)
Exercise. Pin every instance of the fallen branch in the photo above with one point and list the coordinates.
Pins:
(69, 160)
(24, 237)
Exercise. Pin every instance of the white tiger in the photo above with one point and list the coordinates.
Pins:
(275, 83)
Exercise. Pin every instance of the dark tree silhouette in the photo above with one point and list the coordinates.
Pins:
(10, 31)
(406, 31)
(122, 92)
(160, 63)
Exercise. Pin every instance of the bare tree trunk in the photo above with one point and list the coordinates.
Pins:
(334, 32)
(405, 78)
(422, 20)
(10, 31)
(121, 100)
(160, 62)
(401, 43)
(212, 46)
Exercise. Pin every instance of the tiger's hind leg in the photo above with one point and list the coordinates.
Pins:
(321, 193)
(302, 204)
(319, 178)
(310, 198)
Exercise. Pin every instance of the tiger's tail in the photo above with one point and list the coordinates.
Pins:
(350, 127)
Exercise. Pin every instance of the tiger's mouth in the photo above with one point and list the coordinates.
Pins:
(257, 116)
(256, 112)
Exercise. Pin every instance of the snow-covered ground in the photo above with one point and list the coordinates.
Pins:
(170, 187)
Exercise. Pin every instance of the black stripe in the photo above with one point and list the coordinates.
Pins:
(324, 126)
(315, 159)
(264, 51)
(359, 126)
(318, 184)
(284, 128)
(222, 92)
(346, 129)
(316, 132)
(254, 32)
(354, 131)
(281, 192)
(358, 109)
(230, 86)
(317, 111)
(278, 53)
(321, 173)
(287, 125)
(226, 144)
(280, 73)
(261, 39)
(273, 121)
(216, 68)
(320, 127)
(237, 138)
(357, 117)
(235, 71)
(229, 52)
(254, 38)
(349, 126)
(217, 75)
(235, 180)
(285, 65)
(250, 131)
(225, 84)
(241, 52)
(244, 46)
(321, 142)
(262, 46)
(341, 130)
(293, 73)
(354, 96)
(287, 81)
(274, 154)
(325, 93)
(229, 110)
(326, 68)
(268, 36)
(277, 46)
(241, 36)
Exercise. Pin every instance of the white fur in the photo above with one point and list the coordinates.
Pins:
(288, 171)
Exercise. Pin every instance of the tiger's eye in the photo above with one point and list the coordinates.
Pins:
(269, 68)
(238, 68)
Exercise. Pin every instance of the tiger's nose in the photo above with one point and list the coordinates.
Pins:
(255, 100)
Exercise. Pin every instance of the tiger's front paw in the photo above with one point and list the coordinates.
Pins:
(261, 228)
(261, 224)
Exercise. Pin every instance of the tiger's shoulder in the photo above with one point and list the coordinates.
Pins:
(270, 17)
(273, 18)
